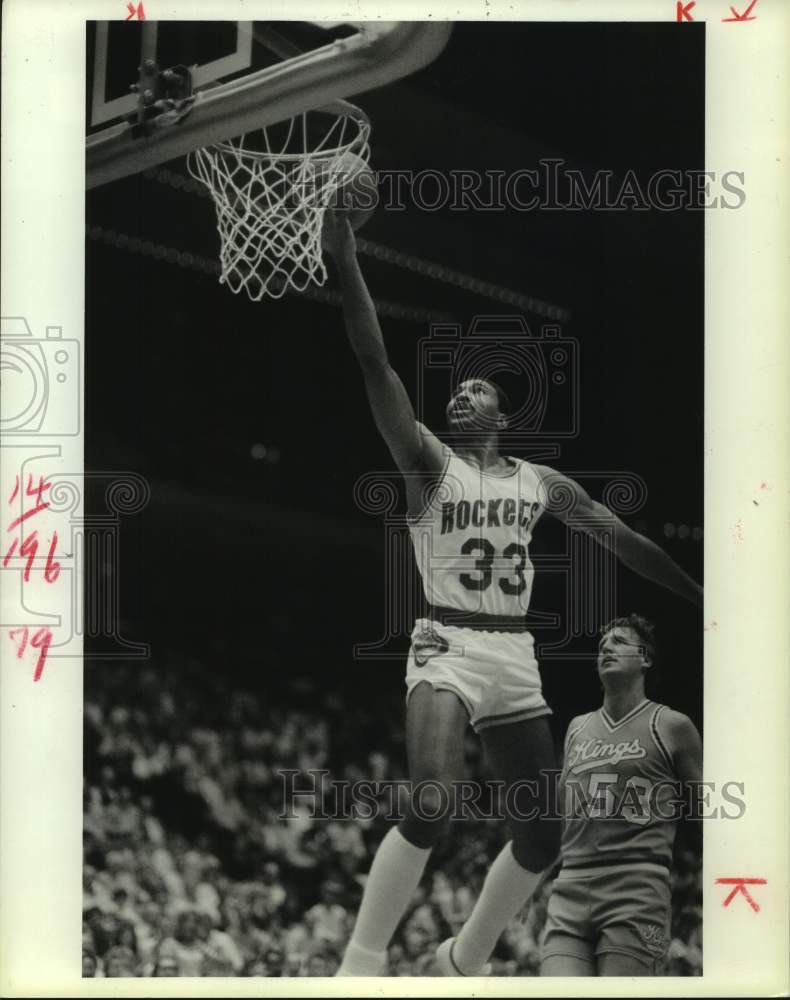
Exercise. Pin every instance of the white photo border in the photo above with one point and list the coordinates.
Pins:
(747, 585)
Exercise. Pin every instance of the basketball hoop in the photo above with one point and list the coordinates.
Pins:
(271, 189)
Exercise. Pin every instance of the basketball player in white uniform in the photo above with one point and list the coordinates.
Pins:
(622, 789)
(471, 512)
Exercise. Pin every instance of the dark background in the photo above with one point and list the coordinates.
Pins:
(265, 567)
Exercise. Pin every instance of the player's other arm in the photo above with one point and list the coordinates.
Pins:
(569, 502)
(684, 745)
(413, 447)
(685, 749)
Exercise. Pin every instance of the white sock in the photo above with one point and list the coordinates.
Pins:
(358, 961)
(394, 875)
(505, 891)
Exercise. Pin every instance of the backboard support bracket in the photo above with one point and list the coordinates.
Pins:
(378, 54)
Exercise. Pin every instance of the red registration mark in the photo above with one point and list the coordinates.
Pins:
(739, 886)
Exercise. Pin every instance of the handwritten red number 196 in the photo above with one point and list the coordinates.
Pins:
(41, 639)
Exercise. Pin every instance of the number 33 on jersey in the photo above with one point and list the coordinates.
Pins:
(472, 541)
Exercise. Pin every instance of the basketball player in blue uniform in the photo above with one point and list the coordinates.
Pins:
(622, 790)
(471, 511)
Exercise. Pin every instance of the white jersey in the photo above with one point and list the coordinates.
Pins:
(472, 541)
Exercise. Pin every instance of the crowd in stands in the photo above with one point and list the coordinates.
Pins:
(197, 862)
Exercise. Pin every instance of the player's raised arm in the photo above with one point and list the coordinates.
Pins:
(413, 447)
(569, 502)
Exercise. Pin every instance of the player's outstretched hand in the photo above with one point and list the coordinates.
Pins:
(337, 235)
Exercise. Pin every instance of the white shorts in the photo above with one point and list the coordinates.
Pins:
(495, 674)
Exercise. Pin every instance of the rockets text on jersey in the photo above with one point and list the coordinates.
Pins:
(471, 543)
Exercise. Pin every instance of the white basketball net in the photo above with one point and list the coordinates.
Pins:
(271, 189)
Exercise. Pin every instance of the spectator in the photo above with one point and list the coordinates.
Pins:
(255, 967)
(120, 962)
(328, 920)
(274, 961)
(90, 964)
(323, 960)
(166, 966)
(222, 957)
(185, 946)
(193, 866)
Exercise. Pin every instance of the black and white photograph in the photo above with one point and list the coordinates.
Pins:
(424, 404)
(391, 554)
